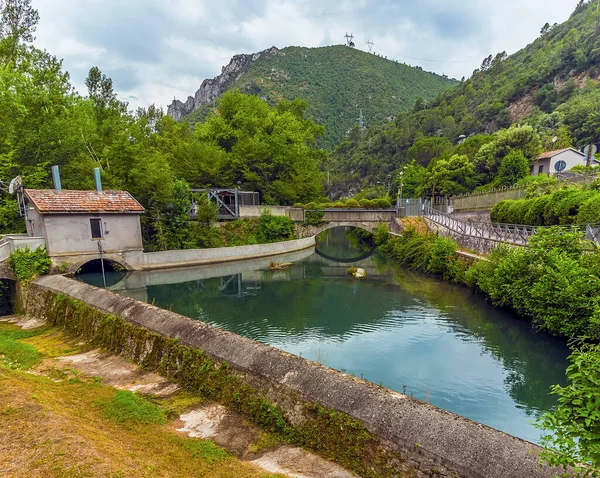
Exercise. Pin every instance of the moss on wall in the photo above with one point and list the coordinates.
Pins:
(333, 435)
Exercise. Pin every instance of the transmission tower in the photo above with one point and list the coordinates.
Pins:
(370, 45)
(349, 39)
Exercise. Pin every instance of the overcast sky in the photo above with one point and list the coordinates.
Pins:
(155, 50)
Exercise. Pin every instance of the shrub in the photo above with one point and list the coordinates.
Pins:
(535, 214)
(442, 255)
(381, 235)
(589, 211)
(28, 264)
(352, 203)
(298, 205)
(568, 208)
(313, 218)
(365, 203)
(274, 228)
(339, 204)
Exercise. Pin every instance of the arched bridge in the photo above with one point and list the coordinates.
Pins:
(367, 219)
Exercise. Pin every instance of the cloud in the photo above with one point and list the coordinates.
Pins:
(155, 50)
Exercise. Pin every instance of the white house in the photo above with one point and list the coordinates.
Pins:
(546, 162)
(75, 222)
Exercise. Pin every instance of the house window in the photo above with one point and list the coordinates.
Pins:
(96, 225)
(541, 169)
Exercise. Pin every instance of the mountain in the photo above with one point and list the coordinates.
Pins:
(551, 84)
(337, 82)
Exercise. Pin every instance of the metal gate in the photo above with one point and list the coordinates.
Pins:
(412, 208)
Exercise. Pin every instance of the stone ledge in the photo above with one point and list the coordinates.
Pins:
(432, 440)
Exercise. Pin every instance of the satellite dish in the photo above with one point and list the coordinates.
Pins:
(555, 139)
(14, 185)
(587, 148)
(560, 166)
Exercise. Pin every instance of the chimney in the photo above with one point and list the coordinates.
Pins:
(98, 180)
(56, 178)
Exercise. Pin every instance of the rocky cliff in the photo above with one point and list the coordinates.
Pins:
(211, 89)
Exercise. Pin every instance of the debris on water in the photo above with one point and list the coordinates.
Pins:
(279, 266)
(357, 272)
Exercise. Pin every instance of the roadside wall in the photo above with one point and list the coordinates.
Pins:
(255, 211)
(378, 432)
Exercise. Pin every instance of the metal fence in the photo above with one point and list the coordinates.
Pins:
(488, 199)
(517, 234)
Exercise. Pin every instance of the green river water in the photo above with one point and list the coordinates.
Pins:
(414, 334)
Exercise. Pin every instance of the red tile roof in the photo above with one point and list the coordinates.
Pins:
(550, 154)
(51, 201)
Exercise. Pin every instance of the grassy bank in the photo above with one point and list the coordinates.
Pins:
(56, 423)
(554, 282)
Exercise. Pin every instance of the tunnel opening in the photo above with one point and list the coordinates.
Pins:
(8, 290)
(91, 272)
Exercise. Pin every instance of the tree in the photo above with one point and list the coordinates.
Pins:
(448, 177)
(18, 20)
(573, 429)
(490, 155)
(514, 167)
(271, 150)
(545, 29)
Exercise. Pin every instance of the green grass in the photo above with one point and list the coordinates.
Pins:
(17, 354)
(128, 408)
(204, 450)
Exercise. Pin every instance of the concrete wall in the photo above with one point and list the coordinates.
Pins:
(359, 215)
(481, 216)
(255, 211)
(69, 234)
(12, 242)
(166, 259)
(422, 440)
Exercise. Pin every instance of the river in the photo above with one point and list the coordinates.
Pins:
(435, 341)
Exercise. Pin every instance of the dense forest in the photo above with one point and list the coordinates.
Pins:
(551, 85)
(337, 82)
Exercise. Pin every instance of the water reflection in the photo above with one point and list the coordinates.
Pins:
(404, 330)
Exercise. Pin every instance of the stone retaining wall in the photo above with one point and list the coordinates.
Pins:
(380, 432)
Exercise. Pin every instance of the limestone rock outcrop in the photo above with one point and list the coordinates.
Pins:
(211, 89)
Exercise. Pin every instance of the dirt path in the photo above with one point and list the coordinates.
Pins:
(59, 427)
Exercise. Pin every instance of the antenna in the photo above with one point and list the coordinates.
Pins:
(349, 39)
(15, 185)
(370, 45)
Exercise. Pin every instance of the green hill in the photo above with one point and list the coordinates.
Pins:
(551, 84)
(337, 82)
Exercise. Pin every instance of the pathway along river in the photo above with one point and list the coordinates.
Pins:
(414, 334)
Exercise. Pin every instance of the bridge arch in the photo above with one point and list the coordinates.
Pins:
(366, 226)
(112, 259)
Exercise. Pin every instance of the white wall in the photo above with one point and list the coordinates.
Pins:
(572, 158)
(72, 234)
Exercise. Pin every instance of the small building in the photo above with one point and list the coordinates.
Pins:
(546, 163)
(75, 223)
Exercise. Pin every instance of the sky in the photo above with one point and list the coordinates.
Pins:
(156, 50)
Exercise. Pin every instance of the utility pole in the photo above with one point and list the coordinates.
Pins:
(370, 44)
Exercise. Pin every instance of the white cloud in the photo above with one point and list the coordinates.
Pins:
(156, 50)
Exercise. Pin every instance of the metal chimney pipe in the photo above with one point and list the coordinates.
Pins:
(56, 178)
(98, 180)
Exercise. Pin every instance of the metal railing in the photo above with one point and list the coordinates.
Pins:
(509, 233)
(518, 234)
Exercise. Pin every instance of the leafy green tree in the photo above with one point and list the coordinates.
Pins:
(572, 439)
(522, 138)
(448, 177)
(271, 150)
(513, 168)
